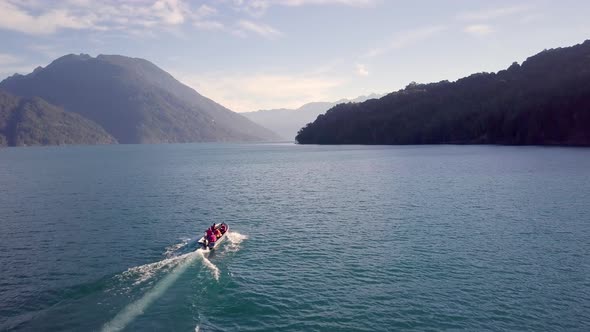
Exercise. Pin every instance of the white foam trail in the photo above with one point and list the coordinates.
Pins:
(134, 309)
(173, 249)
(235, 239)
(131, 311)
(214, 269)
(145, 272)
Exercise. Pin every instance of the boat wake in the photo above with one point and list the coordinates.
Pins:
(131, 311)
(214, 269)
(173, 250)
(175, 264)
(235, 240)
(143, 273)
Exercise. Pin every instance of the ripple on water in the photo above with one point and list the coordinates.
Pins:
(339, 238)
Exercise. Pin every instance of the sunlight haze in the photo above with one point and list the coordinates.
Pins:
(251, 55)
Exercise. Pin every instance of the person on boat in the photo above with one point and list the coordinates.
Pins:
(217, 233)
(212, 228)
(207, 235)
(212, 239)
(223, 228)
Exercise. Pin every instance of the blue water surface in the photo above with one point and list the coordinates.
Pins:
(323, 238)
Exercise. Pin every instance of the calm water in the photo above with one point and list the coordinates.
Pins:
(323, 238)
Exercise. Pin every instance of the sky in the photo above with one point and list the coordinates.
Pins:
(262, 54)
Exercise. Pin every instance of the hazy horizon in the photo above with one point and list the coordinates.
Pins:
(254, 55)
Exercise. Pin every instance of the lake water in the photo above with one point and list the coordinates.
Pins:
(324, 238)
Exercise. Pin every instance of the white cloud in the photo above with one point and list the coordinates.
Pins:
(354, 3)
(259, 7)
(45, 17)
(205, 10)
(361, 70)
(13, 17)
(479, 29)
(405, 39)
(202, 18)
(8, 59)
(209, 25)
(169, 11)
(252, 92)
(493, 13)
(38, 17)
(10, 64)
(261, 29)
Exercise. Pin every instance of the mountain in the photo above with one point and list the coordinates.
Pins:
(33, 121)
(544, 101)
(134, 101)
(286, 122)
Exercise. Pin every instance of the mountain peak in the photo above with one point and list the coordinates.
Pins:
(72, 57)
(134, 100)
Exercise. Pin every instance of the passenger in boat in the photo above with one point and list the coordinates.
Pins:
(223, 228)
(212, 239)
(217, 233)
(212, 228)
(208, 234)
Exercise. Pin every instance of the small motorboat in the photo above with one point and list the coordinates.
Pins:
(205, 245)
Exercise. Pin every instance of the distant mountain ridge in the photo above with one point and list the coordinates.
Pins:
(134, 101)
(287, 122)
(544, 101)
(33, 121)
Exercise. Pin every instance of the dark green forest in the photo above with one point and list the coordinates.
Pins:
(544, 101)
(33, 121)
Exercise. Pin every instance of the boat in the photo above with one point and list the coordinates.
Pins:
(203, 241)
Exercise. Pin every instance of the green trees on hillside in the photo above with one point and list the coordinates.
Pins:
(544, 101)
(33, 121)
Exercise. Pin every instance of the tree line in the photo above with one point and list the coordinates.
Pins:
(544, 101)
